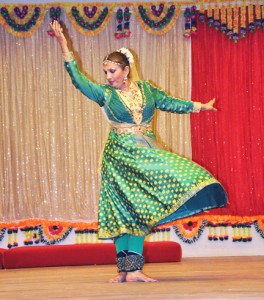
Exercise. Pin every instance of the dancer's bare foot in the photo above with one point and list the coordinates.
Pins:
(138, 276)
(120, 277)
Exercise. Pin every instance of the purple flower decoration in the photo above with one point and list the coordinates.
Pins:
(258, 23)
(210, 21)
(243, 32)
(251, 27)
(216, 24)
(235, 37)
(229, 33)
(202, 17)
(223, 28)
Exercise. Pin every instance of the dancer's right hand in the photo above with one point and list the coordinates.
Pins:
(58, 32)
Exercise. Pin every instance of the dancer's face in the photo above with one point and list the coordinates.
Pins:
(115, 75)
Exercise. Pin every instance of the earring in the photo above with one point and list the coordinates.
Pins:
(125, 80)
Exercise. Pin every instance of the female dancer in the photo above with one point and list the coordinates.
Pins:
(142, 184)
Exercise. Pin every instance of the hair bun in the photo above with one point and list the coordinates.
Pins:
(128, 55)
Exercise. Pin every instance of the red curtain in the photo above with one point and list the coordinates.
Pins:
(230, 142)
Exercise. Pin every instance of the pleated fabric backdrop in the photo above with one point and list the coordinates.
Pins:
(52, 137)
(230, 143)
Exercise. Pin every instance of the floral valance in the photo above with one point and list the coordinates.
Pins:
(232, 18)
(189, 230)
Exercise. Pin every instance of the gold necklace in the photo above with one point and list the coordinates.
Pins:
(133, 101)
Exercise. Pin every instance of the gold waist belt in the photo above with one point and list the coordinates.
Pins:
(137, 129)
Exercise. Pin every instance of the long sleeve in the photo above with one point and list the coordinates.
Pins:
(90, 89)
(171, 104)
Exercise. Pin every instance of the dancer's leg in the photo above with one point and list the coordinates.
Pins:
(121, 244)
(135, 260)
(136, 243)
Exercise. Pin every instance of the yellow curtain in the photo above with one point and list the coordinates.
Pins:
(51, 137)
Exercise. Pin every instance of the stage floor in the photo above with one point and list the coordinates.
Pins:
(193, 278)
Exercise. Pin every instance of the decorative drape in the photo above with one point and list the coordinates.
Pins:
(230, 142)
(51, 137)
(234, 19)
(90, 18)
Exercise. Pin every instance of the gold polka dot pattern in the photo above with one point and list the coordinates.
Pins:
(143, 185)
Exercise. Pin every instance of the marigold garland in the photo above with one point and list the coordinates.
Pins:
(127, 15)
(155, 17)
(262, 16)
(242, 232)
(243, 30)
(187, 25)
(190, 231)
(158, 234)
(193, 20)
(12, 238)
(157, 21)
(119, 24)
(22, 20)
(259, 226)
(190, 21)
(258, 15)
(251, 25)
(2, 233)
(214, 228)
(89, 20)
(87, 235)
(210, 19)
(212, 232)
(223, 12)
(123, 23)
(53, 234)
(31, 235)
(235, 24)
(223, 235)
(202, 13)
(229, 31)
(216, 23)
(233, 18)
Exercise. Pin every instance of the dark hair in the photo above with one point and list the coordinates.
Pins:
(119, 58)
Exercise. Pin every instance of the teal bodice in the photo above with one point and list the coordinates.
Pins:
(116, 111)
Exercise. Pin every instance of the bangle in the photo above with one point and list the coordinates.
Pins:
(68, 56)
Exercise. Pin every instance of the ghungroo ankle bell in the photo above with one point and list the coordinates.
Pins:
(120, 261)
(134, 262)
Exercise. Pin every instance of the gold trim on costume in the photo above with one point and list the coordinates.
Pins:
(133, 129)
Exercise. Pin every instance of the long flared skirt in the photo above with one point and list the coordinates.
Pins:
(144, 186)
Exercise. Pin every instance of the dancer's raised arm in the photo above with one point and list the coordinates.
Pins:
(58, 31)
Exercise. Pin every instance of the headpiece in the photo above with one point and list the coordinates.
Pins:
(127, 54)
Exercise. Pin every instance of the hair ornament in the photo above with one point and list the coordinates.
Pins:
(106, 61)
(128, 55)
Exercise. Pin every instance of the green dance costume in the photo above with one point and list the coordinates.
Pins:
(143, 185)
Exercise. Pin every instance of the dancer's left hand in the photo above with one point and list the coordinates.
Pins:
(209, 105)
